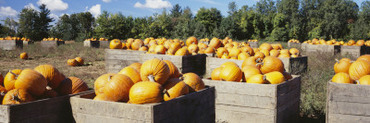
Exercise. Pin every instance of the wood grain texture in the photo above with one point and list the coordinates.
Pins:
(93, 44)
(51, 44)
(326, 49)
(11, 44)
(355, 51)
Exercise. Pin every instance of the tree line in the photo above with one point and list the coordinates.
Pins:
(269, 20)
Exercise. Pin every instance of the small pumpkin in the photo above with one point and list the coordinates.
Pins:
(23, 56)
(191, 40)
(243, 56)
(231, 73)
(72, 62)
(156, 68)
(51, 74)
(275, 77)
(160, 49)
(257, 79)
(175, 88)
(342, 78)
(270, 64)
(215, 75)
(117, 89)
(193, 48)
(365, 80)
(80, 61)
(116, 44)
(193, 81)
(132, 73)
(32, 81)
(215, 43)
(10, 79)
(17, 96)
(146, 92)
(174, 71)
(265, 46)
(358, 69)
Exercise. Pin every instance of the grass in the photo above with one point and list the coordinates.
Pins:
(93, 57)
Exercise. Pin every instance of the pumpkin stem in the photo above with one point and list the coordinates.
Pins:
(48, 88)
(337, 60)
(109, 78)
(151, 78)
(166, 92)
(16, 76)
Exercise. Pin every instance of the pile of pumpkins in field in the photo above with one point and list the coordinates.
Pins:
(94, 39)
(78, 61)
(52, 39)
(44, 81)
(15, 38)
(153, 81)
(294, 41)
(353, 72)
(335, 42)
(226, 48)
(270, 70)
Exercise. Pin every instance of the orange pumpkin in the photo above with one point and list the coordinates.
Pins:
(248, 50)
(275, 53)
(231, 73)
(265, 46)
(243, 56)
(250, 71)
(342, 66)
(174, 71)
(193, 81)
(132, 73)
(364, 57)
(294, 51)
(342, 78)
(101, 81)
(365, 80)
(117, 88)
(221, 51)
(78, 85)
(270, 64)
(136, 66)
(143, 48)
(215, 43)
(10, 79)
(146, 92)
(160, 49)
(251, 61)
(72, 62)
(51, 74)
(257, 79)
(358, 69)
(31, 81)
(259, 55)
(215, 75)
(191, 40)
(23, 55)
(182, 52)
(115, 44)
(155, 68)
(275, 77)
(193, 48)
(17, 96)
(175, 88)
(80, 61)
(2, 92)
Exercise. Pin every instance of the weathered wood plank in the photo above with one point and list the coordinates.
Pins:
(339, 118)
(94, 44)
(11, 44)
(236, 116)
(327, 49)
(355, 51)
(51, 44)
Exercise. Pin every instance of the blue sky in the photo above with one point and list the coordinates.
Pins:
(136, 8)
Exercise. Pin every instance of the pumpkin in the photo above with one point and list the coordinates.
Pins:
(365, 80)
(17, 96)
(132, 73)
(275, 77)
(143, 48)
(265, 46)
(51, 74)
(136, 66)
(160, 49)
(72, 62)
(358, 69)
(2, 92)
(215, 43)
(248, 50)
(191, 40)
(10, 79)
(270, 64)
(243, 56)
(146, 92)
(193, 81)
(209, 50)
(215, 75)
(31, 81)
(364, 57)
(250, 71)
(275, 53)
(117, 88)
(175, 46)
(284, 55)
(259, 55)
(1, 79)
(234, 52)
(220, 51)
(342, 78)
(136, 44)
(23, 55)
(285, 51)
(175, 88)
(342, 66)
(182, 52)
(49, 93)
(101, 97)
(101, 81)
(116, 44)
(251, 61)
(294, 51)
(265, 52)
(193, 48)
(174, 71)
(257, 79)
(231, 73)
(78, 85)
(65, 87)
(80, 61)
(155, 68)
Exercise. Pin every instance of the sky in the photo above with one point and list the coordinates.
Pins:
(135, 8)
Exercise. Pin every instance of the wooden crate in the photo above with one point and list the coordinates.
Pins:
(26, 43)
(294, 45)
(51, 44)
(325, 49)
(191, 63)
(10, 44)
(104, 44)
(238, 102)
(253, 44)
(116, 59)
(347, 103)
(354, 51)
(94, 44)
(51, 110)
(197, 107)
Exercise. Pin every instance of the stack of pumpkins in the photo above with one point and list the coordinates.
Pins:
(52, 39)
(348, 71)
(151, 82)
(294, 41)
(316, 41)
(254, 70)
(44, 81)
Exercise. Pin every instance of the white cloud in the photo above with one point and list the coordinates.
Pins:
(54, 16)
(95, 10)
(8, 11)
(30, 6)
(107, 1)
(54, 5)
(153, 4)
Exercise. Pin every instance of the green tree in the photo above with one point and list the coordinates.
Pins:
(280, 32)
(267, 9)
(27, 20)
(210, 18)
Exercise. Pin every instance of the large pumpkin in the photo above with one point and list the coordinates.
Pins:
(132, 73)
(193, 81)
(231, 73)
(342, 66)
(101, 81)
(175, 88)
(17, 96)
(174, 71)
(270, 64)
(146, 92)
(265, 46)
(193, 48)
(155, 68)
(252, 61)
(78, 85)
(364, 57)
(342, 78)
(31, 81)
(358, 69)
(51, 74)
(117, 89)
(215, 75)
(10, 79)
